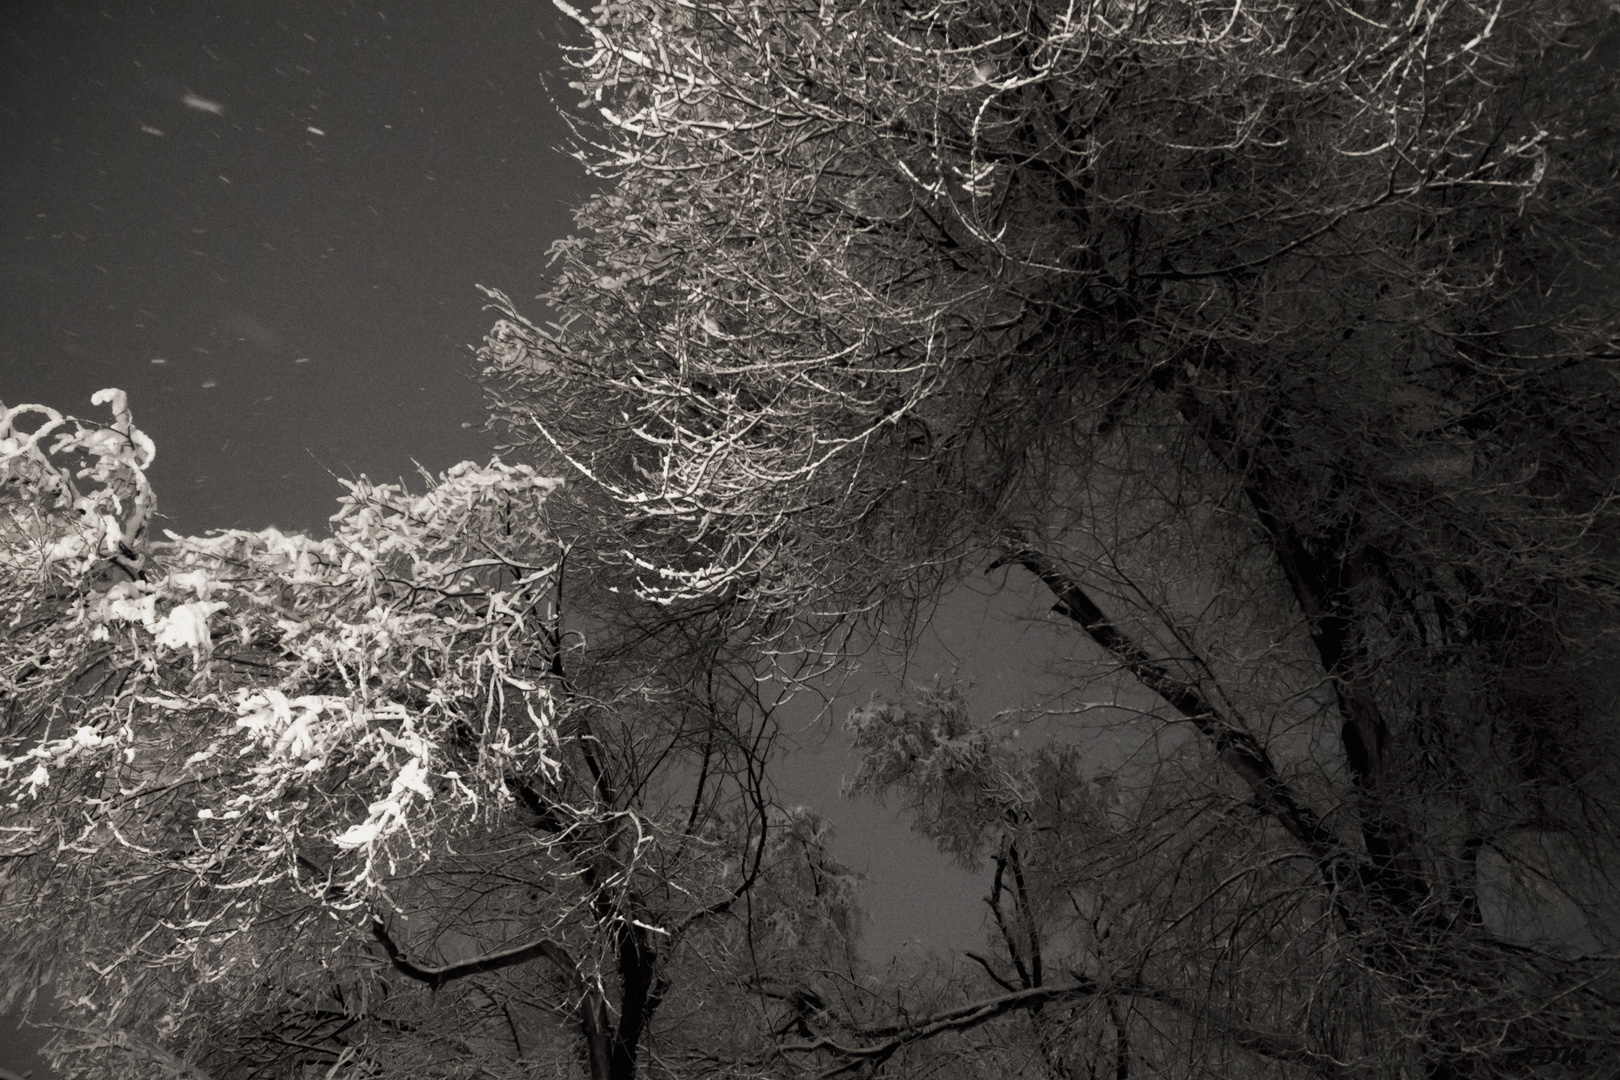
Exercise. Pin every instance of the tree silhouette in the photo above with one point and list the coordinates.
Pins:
(1274, 342)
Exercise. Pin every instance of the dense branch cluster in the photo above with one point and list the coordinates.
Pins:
(360, 653)
(859, 261)
(1272, 344)
(257, 785)
(205, 735)
(1273, 341)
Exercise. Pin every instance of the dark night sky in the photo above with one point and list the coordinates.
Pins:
(310, 295)
(265, 222)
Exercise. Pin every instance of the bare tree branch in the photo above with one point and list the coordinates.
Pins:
(438, 976)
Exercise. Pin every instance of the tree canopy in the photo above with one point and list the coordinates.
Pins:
(1276, 342)
(259, 786)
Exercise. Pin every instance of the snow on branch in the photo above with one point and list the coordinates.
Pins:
(258, 692)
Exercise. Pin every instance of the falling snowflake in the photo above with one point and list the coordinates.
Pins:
(202, 104)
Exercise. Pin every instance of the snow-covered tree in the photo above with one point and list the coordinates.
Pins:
(345, 806)
(1273, 342)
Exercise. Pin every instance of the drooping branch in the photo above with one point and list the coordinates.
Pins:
(881, 1042)
(984, 962)
(436, 977)
(602, 1056)
(890, 1038)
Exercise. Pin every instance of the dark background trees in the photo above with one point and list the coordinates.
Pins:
(1276, 342)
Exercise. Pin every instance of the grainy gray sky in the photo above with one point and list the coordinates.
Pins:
(266, 221)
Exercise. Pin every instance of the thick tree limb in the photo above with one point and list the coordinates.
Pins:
(606, 1057)
(438, 976)
(890, 1038)
(1323, 586)
(1238, 749)
(984, 962)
